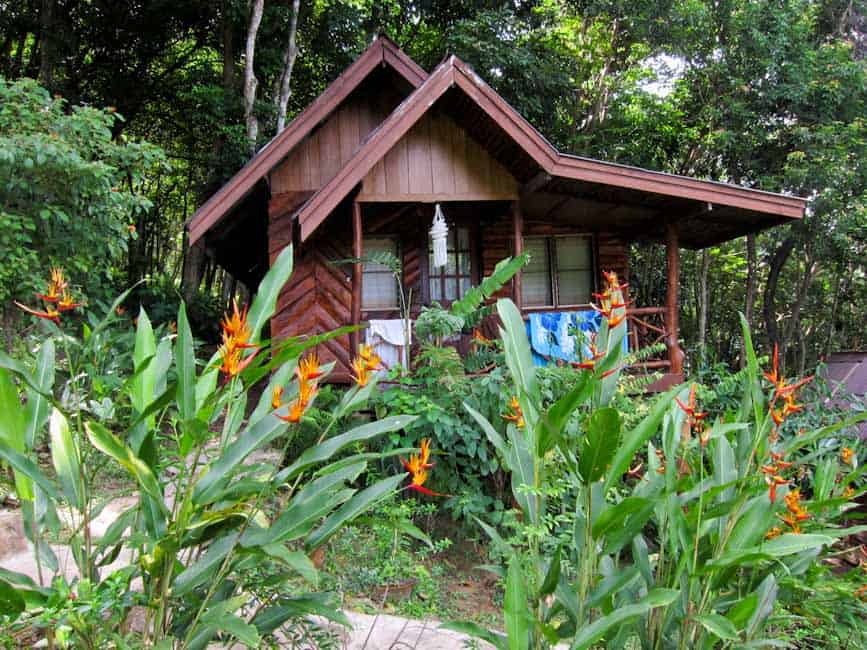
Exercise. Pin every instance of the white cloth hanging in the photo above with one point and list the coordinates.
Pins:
(439, 233)
(388, 338)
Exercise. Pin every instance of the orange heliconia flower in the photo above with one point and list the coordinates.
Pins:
(773, 532)
(480, 339)
(360, 371)
(50, 313)
(795, 511)
(417, 466)
(782, 391)
(308, 369)
(847, 456)
(57, 298)
(364, 364)
(612, 305)
(595, 355)
(515, 413)
(694, 417)
(773, 474)
(236, 337)
(308, 372)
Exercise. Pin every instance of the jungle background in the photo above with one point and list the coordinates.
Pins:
(140, 110)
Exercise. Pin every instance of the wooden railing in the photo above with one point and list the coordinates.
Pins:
(647, 328)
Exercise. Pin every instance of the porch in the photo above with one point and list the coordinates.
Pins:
(566, 268)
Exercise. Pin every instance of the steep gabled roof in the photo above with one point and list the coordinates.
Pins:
(454, 73)
(382, 52)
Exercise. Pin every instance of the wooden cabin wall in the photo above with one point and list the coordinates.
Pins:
(327, 149)
(438, 161)
(318, 296)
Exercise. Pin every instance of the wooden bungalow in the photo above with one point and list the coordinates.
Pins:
(362, 167)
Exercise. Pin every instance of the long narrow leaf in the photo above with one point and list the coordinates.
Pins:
(66, 459)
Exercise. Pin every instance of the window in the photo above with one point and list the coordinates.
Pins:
(452, 281)
(560, 272)
(378, 284)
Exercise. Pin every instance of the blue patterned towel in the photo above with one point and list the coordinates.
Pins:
(563, 335)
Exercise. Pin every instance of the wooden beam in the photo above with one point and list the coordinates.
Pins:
(357, 270)
(672, 326)
(517, 249)
(535, 184)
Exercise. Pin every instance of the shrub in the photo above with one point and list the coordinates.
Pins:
(215, 538)
(676, 532)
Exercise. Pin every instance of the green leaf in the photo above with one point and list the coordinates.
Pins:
(185, 362)
(205, 568)
(719, 626)
(295, 560)
(599, 444)
(492, 434)
(322, 452)
(554, 420)
(638, 437)
(270, 618)
(37, 402)
(13, 435)
(66, 460)
(142, 388)
(221, 616)
(475, 630)
(592, 633)
(28, 470)
(519, 358)
(552, 577)
(515, 609)
(265, 301)
(788, 544)
(766, 595)
(11, 602)
(352, 508)
(111, 445)
(209, 486)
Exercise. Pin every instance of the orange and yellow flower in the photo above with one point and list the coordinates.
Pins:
(847, 456)
(365, 364)
(236, 339)
(515, 414)
(795, 512)
(612, 304)
(57, 298)
(308, 371)
(418, 466)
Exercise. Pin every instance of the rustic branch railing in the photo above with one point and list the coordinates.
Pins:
(647, 328)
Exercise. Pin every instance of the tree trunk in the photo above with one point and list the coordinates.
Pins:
(769, 311)
(194, 264)
(750, 299)
(46, 38)
(250, 81)
(702, 305)
(289, 56)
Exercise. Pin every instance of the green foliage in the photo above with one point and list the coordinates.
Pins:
(583, 571)
(199, 555)
(69, 192)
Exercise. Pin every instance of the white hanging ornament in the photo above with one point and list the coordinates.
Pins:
(439, 233)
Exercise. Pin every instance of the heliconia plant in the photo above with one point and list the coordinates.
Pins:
(197, 530)
(678, 526)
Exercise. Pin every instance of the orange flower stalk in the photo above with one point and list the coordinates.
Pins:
(694, 417)
(50, 312)
(612, 305)
(480, 339)
(795, 512)
(360, 371)
(417, 466)
(515, 413)
(236, 337)
(57, 298)
(308, 369)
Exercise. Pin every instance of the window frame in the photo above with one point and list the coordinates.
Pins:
(440, 276)
(553, 270)
(396, 241)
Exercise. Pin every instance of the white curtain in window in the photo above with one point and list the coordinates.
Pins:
(378, 285)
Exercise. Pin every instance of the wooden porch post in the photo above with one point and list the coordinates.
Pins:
(518, 234)
(672, 327)
(357, 252)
